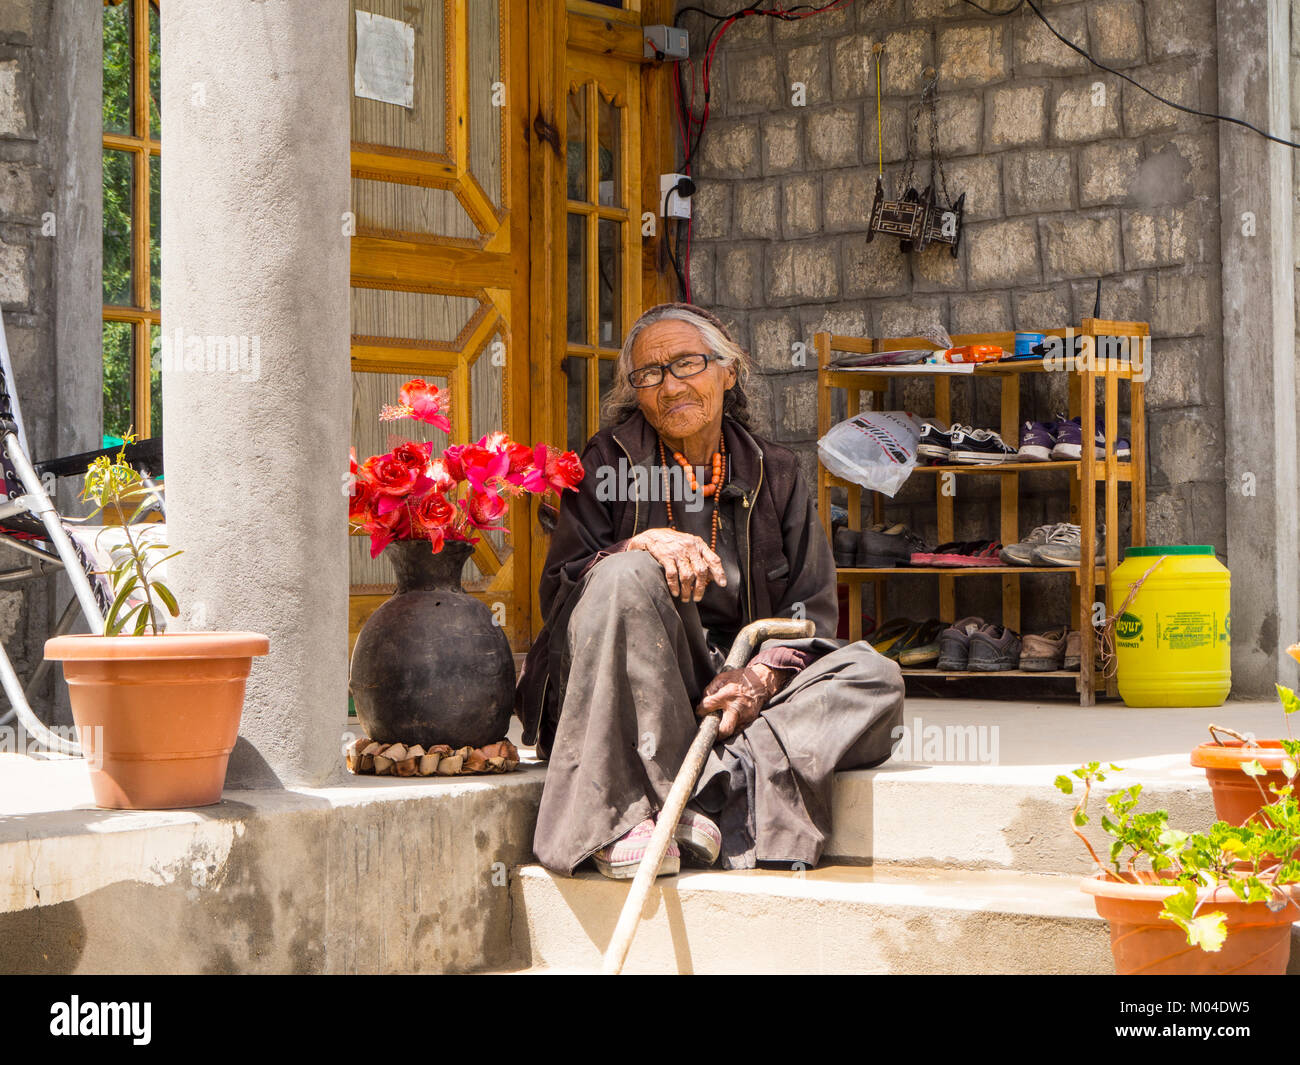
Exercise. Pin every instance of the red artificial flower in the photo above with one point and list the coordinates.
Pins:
(452, 463)
(395, 480)
(433, 514)
(423, 402)
(442, 479)
(484, 508)
(383, 530)
(483, 464)
(564, 470)
(412, 454)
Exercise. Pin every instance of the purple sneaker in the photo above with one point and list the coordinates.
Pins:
(1069, 442)
(1036, 442)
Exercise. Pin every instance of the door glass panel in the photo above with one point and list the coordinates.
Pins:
(119, 376)
(398, 208)
(423, 126)
(427, 316)
(577, 145)
(486, 99)
(118, 80)
(576, 402)
(487, 386)
(605, 370)
(119, 255)
(577, 284)
(609, 157)
(610, 287)
(155, 74)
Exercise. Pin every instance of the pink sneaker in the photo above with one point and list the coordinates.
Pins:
(620, 860)
(699, 837)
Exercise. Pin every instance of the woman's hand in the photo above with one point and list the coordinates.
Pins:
(689, 564)
(740, 695)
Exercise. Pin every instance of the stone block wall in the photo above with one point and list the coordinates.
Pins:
(26, 276)
(1070, 175)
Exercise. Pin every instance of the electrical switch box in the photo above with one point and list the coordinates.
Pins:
(666, 42)
(675, 192)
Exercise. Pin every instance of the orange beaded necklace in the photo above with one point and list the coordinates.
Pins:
(710, 489)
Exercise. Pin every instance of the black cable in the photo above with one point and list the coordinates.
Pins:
(1136, 84)
(677, 266)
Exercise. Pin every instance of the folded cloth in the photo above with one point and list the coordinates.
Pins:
(96, 547)
(901, 357)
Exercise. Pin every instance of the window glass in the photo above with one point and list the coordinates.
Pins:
(119, 253)
(117, 68)
(119, 376)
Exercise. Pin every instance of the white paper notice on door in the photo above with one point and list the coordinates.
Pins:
(385, 67)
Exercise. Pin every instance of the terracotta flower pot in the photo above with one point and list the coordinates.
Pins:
(1236, 796)
(1144, 944)
(157, 716)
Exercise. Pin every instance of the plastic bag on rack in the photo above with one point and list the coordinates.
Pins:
(876, 449)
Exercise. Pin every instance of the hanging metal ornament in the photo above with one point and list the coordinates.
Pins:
(942, 223)
(916, 217)
(904, 217)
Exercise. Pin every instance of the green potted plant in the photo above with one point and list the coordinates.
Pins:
(157, 713)
(1212, 902)
(1238, 796)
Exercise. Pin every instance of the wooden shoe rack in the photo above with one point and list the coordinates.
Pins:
(1087, 476)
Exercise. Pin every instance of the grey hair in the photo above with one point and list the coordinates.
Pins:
(621, 403)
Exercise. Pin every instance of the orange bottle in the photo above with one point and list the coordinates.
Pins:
(973, 353)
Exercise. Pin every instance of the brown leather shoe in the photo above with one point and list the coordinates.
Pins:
(1041, 652)
(1073, 651)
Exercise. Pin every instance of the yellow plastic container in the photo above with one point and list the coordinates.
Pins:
(1173, 643)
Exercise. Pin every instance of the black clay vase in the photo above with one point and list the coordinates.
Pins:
(429, 666)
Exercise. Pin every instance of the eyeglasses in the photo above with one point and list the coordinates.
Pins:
(681, 367)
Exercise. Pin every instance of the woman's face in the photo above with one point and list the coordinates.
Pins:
(679, 408)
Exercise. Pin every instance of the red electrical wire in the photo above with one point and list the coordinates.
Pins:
(690, 125)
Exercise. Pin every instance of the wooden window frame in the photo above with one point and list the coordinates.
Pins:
(142, 146)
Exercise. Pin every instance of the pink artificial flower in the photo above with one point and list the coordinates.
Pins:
(423, 402)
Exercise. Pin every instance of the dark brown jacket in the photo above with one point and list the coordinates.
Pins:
(784, 556)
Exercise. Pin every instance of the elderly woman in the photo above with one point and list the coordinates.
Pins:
(687, 527)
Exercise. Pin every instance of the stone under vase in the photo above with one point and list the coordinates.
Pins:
(429, 666)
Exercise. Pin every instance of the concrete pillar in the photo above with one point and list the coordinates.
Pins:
(256, 382)
(1259, 342)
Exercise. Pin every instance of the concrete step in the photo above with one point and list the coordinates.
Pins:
(834, 919)
(970, 783)
(990, 817)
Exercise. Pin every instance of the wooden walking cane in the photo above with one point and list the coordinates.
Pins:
(683, 785)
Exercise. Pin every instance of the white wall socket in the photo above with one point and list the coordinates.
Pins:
(673, 204)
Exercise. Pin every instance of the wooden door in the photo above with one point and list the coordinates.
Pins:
(440, 261)
(600, 139)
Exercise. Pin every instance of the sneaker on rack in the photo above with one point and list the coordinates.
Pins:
(1063, 547)
(1021, 554)
(954, 644)
(935, 442)
(1036, 442)
(1069, 441)
(994, 649)
(1043, 652)
(979, 447)
(1073, 650)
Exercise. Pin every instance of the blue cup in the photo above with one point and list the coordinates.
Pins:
(1025, 342)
